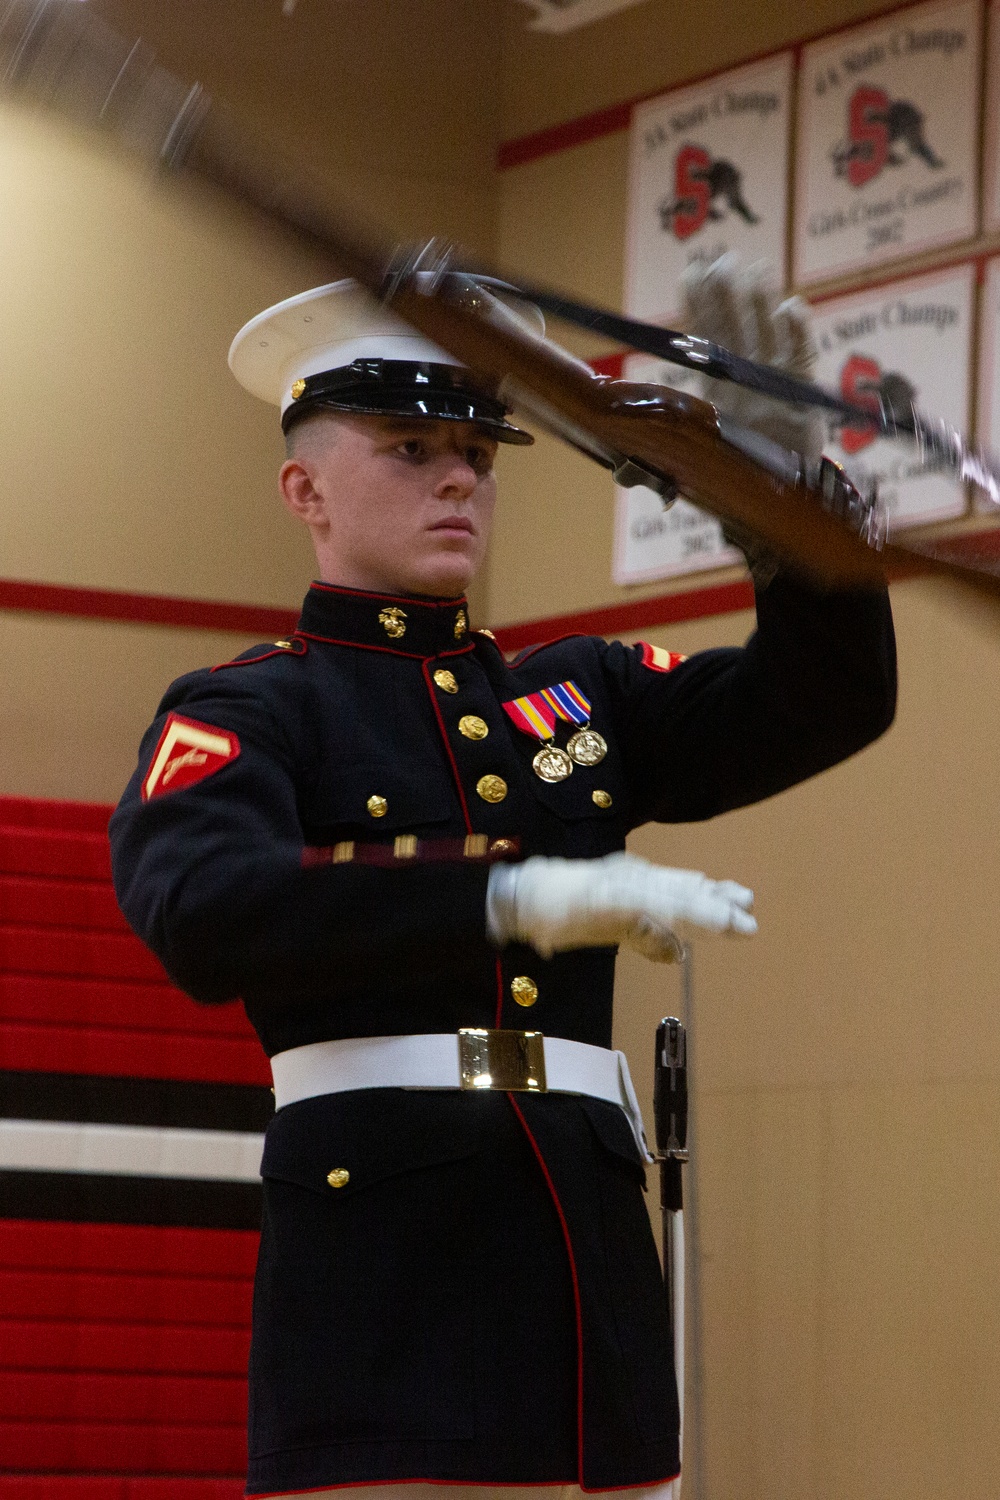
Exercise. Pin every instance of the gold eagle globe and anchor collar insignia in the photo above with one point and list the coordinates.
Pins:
(414, 627)
(393, 621)
(536, 714)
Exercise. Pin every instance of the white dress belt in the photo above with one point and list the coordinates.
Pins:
(434, 1062)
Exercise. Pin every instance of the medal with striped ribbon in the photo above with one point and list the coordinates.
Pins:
(587, 747)
(534, 715)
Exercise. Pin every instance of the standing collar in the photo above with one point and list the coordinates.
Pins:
(404, 626)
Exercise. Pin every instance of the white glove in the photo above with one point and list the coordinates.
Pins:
(595, 903)
(737, 306)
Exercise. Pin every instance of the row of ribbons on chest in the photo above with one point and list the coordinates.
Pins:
(538, 713)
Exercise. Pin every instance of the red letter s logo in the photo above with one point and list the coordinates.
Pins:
(859, 382)
(869, 137)
(692, 195)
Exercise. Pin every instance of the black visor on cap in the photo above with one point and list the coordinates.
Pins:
(404, 388)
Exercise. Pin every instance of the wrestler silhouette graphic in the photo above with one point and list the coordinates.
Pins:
(866, 384)
(881, 132)
(704, 189)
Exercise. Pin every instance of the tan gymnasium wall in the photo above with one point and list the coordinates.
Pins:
(132, 460)
(848, 1059)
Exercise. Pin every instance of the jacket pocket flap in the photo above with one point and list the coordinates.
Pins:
(595, 792)
(611, 1127)
(348, 1142)
(374, 799)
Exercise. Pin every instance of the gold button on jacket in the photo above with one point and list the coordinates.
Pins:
(377, 806)
(339, 1177)
(445, 680)
(491, 788)
(603, 799)
(473, 727)
(524, 990)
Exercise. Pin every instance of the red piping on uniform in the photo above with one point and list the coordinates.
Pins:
(523, 656)
(329, 640)
(336, 588)
(444, 735)
(578, 1309)
(248, 661)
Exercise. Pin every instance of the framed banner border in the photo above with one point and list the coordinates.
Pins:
(855, 266)
(787, 55)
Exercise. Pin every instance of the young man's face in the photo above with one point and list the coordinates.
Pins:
(394, 504)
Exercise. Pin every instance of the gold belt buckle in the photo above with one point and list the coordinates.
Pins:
(513, 1061)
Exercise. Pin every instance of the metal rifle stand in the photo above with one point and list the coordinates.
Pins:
(671, 1114)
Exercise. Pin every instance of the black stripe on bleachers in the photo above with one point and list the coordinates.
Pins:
(90, 1099)
(85, 1197)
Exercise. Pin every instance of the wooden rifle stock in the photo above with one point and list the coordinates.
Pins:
(57, 53)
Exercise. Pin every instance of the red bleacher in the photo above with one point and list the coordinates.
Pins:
(123, 1348)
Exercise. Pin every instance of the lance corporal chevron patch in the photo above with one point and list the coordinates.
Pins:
(187, 752)
(658, 659)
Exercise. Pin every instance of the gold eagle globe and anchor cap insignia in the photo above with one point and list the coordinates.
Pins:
(393, 621)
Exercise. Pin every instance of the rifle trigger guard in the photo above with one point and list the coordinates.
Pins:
(860, 510)
(629, 474)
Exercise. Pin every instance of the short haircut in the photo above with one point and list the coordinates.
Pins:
(304, 435)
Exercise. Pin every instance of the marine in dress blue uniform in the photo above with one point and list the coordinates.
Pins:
(458, 1286)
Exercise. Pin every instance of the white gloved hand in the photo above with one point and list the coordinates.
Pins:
(738, 307)
(554, 904)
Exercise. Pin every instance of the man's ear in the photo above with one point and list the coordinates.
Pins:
(299, 493)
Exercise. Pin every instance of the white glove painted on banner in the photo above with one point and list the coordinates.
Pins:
(738, 307)
(554, 904)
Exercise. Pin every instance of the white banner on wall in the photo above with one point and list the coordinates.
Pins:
(988, 404)
(653, 542)
(708, 172)
(887, 140)
(909, 342)
(991, 146)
